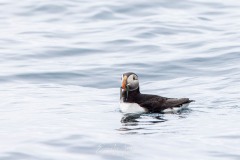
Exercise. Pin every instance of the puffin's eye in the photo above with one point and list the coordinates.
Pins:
(135, 78)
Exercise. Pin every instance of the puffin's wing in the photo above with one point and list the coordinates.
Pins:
(154, 103)
(174, 102)
(158, 104)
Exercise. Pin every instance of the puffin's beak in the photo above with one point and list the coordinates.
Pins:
(124, 82)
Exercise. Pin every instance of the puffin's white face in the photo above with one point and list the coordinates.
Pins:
(130, 80)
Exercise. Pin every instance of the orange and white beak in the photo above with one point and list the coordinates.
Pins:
(124, 82)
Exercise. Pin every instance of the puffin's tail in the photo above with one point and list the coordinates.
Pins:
(189, 101)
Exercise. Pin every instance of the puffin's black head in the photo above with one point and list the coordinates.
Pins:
(130, 81)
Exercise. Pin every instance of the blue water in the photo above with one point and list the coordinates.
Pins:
(61, 64)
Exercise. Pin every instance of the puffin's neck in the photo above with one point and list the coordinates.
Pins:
(130, 96)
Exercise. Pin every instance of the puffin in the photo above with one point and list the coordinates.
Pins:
(133, 101)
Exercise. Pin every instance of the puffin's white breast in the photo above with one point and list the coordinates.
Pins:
(131, 108)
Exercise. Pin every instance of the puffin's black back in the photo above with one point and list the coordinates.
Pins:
(153, 103)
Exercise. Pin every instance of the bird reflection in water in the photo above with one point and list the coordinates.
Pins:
(140, 123)
(135, 118)
(137, 123)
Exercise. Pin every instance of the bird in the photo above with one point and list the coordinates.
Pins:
(132, 101)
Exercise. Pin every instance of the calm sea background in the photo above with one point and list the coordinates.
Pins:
(60, 68)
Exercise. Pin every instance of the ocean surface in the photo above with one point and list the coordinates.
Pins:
(60, 68)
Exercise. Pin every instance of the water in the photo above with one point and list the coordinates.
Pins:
(61, 64)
